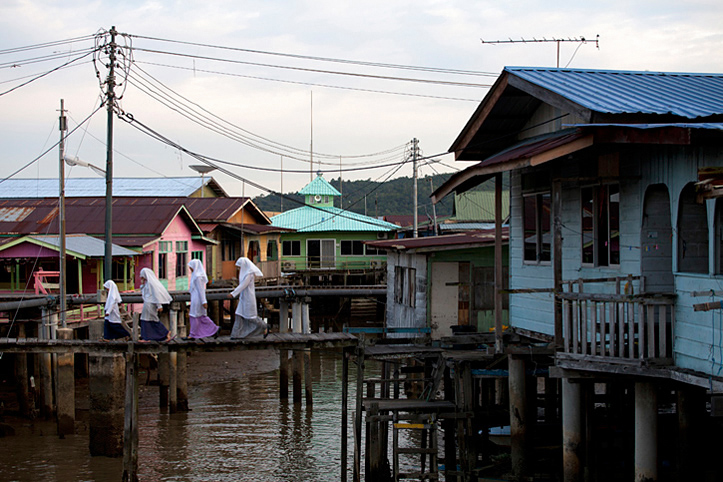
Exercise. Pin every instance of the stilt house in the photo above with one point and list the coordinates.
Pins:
(615, 240)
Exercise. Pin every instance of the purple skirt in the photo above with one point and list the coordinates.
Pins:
(202, 327)
(153, 331)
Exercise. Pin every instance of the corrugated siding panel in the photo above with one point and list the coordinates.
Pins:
(399, 316)
(619, 92)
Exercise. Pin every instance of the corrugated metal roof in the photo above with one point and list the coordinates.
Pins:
(131, 216)
(95, 186)
(86, 245)
(319, 186)
(687, 95)
(465, 226)
(482, 237)
(307, 219)
(680, 125)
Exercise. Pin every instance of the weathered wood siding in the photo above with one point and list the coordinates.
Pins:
(401, 316)
(697, 335)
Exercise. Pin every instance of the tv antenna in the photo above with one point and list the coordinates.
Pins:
(558, 41)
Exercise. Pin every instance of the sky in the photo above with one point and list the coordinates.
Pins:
(361, 122)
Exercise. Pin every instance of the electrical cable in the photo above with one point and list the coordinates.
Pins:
(313, 84)
(327, 59)
(48, 72)
(317, 71)
(35, 60)
(51, 147)
(45, 45)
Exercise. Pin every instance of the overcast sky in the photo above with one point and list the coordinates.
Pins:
(353, 115)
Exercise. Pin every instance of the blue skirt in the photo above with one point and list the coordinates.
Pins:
(153, 331)
(113, 331)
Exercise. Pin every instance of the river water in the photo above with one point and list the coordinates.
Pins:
(237, 429)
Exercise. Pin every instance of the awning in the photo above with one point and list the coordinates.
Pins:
(530, 152)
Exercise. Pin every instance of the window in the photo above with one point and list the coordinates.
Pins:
(372, 250)
(229, 248)
(405, 286)
(536, 225)
(271, 251)
(197, 255)
(181, 258)
(352, 248)
(165, 246)
(692, 233)
(600, 211)
(162, 265)
(291, 248)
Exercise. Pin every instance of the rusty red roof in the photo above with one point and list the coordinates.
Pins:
(476, 238)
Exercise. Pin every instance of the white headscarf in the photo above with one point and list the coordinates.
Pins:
(246, 268)
(198, 272)
(114, 297)
(153, 291)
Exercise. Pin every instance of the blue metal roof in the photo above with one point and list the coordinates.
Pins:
(682, 125)
(687, 95)
(95, 187)
(307, 219)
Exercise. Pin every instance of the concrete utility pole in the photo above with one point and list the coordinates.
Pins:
(415, 154)
(109, 100)
(63, 125)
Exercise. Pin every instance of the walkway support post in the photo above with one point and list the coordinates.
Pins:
(22, 377)
(65, 387)
(283, 354)
(130, 425)
(571, 431)
(646, 432)
(46, 368)
(173, 360)
(107, 402)
(518, 416)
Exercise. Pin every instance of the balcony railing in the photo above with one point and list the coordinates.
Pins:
(619, 327)
(331, 263)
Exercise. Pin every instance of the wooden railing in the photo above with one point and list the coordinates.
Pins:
(619, 327)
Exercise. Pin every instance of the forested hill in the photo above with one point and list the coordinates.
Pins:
(392, 197)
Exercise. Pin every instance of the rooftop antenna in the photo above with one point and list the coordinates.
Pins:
(558, 41)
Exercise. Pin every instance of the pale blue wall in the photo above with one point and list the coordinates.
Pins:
(697, 334)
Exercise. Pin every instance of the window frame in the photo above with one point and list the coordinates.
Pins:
(598, 232)
(542, 256)
(352, 247)
(294, 248)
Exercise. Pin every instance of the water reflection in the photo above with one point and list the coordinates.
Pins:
(236, 430)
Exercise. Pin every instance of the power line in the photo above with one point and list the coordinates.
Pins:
(51, 147)
(328, 59)
(318, 71)
(48, 72)
(46, 44)
(313, 84)
(45, 58)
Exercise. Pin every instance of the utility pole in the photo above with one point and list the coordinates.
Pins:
(434, 207)
(311, 146)
(415, 153)
(110, 101)
(281, 198)
(63, 125)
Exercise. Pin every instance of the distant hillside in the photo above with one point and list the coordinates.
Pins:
(393, 197)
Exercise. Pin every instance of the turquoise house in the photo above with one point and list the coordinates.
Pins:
(328, 238)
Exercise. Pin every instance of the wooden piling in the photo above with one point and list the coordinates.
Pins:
(358, 411)
(46, 369)
(344, 410)
(691, 419)
(448, 425)
(283, 354)
(25, 403)
(297, 367)
(182, 377)
(308, 392)
(646, 432)
(130, 419)
(107, 402)
(173, 361)
(65, 387)
(571, 431)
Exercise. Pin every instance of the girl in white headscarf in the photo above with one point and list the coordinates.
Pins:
(247, 322)
(112, 327)
(201, 325)
(154, 296)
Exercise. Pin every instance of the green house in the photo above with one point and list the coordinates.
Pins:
(326, 237)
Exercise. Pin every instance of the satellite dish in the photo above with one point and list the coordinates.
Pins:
(317, 198)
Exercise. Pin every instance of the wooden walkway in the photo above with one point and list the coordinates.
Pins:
(279, 341)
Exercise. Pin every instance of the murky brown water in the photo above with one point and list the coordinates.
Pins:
(237, 430)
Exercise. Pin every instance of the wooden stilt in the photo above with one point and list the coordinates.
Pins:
(358, 411)
(21, 375)
(344, 411)
(65, 388)
(173, 361)
(46, 369)
(448, 425)
(297, 366)
(182, 377)
(308, 394)
(130, 431)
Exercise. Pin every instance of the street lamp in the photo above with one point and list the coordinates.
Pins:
(74, 161)
(202, 169)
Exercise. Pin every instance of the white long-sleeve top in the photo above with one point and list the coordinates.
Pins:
(246, 293)
(198, 297)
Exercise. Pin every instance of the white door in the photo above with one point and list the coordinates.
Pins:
(445, 298)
